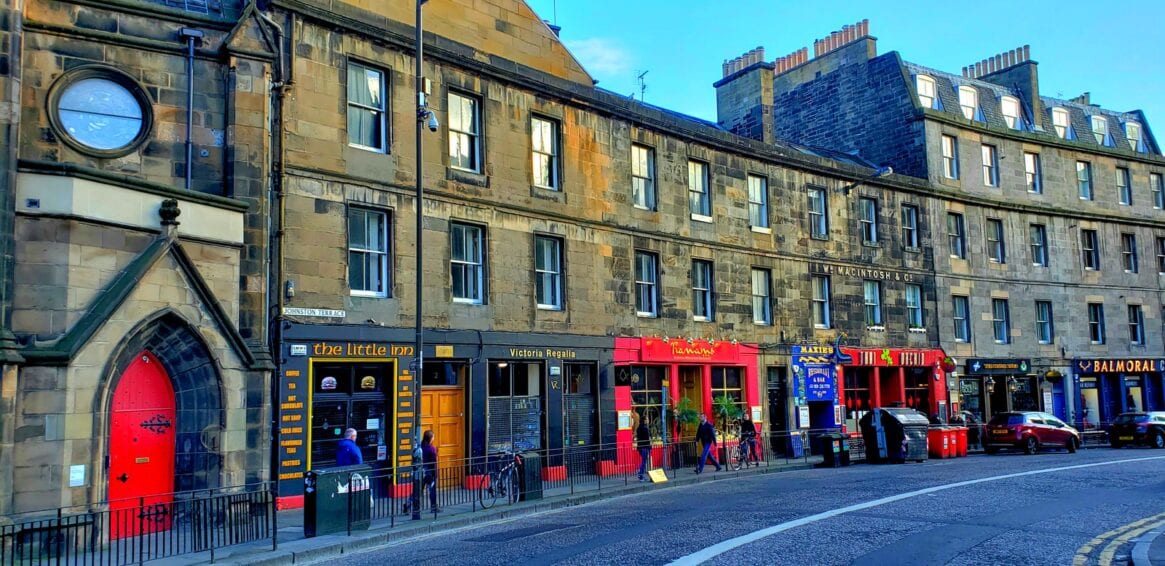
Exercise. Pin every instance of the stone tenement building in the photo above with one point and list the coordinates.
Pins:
(1049, 214)
(134, 283)
(579, 249)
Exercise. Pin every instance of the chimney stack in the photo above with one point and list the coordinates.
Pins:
(998, 62)
(838, 39)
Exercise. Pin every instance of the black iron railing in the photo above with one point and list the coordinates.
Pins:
(141, 530)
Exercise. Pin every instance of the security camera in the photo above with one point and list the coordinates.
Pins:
(433, 125)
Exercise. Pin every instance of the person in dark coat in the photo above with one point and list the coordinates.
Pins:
(706, 434)
(748, 437)
(429, 459)
(347, 452)
(643, 444)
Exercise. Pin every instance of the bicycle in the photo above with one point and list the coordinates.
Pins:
(501, 483)
(741, 454)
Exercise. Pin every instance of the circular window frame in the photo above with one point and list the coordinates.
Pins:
(73, 76)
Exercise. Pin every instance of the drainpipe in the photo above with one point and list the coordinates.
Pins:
(192, 36)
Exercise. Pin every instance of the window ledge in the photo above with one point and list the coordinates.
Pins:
(644, 208)
(470, 302)
(876, 328)
(467, 177)
(912, 250)
(702, 218)
(646, 315)
(762, 230)
(369, 295)
(917, 330)
(822, 327)
(819, 237)
(701, 319)
(874, 244)
(550, 308)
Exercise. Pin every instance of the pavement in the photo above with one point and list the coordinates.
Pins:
(1149, 550)
(293, 548)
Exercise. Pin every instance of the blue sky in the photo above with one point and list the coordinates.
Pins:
(1113, 49)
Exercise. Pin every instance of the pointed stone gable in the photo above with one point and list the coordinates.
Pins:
(490, 27)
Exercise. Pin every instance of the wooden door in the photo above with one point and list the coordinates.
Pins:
(443, 412)
(141, 449)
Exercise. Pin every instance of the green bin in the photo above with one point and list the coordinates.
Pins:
(337, 499)
(530, 477)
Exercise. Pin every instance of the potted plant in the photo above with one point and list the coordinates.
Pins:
(686, 416)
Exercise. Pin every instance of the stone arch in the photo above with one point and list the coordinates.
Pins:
(198, 395)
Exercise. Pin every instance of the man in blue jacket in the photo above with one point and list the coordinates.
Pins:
(706, 434)
(347, 453)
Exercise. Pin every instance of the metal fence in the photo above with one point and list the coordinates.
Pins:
(141, 530)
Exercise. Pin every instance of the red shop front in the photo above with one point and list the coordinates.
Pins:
(892, 377)
(652, 371)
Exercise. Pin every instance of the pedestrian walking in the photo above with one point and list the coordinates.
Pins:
(429, 459)
(347, 452)
(706, 434)
(643, 444)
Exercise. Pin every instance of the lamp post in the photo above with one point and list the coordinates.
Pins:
(423, 115)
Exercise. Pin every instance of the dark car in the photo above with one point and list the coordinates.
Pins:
(1138, 428)
(1029, 431)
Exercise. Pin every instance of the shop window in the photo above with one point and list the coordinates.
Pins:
(349, 396)
(514, 406)
(918, 389)
(857, 395)
(728, 381)
(445, 374)
(647, 397)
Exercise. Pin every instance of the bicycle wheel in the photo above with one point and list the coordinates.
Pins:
(490, 490)
(513, 489)
(734, 457)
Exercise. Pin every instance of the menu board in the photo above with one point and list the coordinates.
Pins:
(293, 447)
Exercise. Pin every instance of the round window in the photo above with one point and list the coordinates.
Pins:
(101, 111)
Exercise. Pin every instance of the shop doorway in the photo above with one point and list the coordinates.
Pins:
(514, 406)
(443, 412)
(1089, 403)
(997, 391)
(1133, 399)
(580, 416)
(692, 387)
(141, 449)
(778, 408)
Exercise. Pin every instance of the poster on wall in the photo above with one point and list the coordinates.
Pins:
(803, 416)
(815, 377)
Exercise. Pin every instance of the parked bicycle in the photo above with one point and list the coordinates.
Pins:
(743, 454)
(501, 483)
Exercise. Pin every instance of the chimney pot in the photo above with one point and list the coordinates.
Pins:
(866, 27)
(1027, 53)
(978, 69)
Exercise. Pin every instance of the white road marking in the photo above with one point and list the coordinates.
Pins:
(722, 547)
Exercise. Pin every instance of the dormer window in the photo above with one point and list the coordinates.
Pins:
(1100, 131)
(926, 92)
(1063, 124)
(1133, 133)
(969, 102)
(1011, 113)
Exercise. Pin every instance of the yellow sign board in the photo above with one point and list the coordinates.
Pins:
(657, 475)
(444, 351)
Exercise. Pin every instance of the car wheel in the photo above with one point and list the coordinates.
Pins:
(1158, 439)
(1031, 445)
(1073, 444)
(991, 450)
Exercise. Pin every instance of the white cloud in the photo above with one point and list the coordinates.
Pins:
(601, 56)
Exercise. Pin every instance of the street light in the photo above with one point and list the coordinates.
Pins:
(425, 117)
(883, 171)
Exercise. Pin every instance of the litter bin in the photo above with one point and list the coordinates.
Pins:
(337, 499)
(530, 477)
(835, 450)
(894, 434)
(961, 434)
(938, 442)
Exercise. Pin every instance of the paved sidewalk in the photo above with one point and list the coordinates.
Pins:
(293, 548)
(1150, 548)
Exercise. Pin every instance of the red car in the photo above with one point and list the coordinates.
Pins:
(1138, 428)
(1029, 431)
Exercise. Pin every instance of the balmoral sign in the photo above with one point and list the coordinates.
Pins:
(819, 268)
(1118, 366)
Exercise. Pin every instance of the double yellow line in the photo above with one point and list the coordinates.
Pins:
(1115, 539)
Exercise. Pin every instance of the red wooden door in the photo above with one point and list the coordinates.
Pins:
(141, 449)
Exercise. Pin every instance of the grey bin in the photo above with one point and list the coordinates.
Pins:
(335, 496)
(530, 477)
(835, 450)
(894, 435)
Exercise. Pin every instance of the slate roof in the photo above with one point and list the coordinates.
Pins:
(990, 94)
